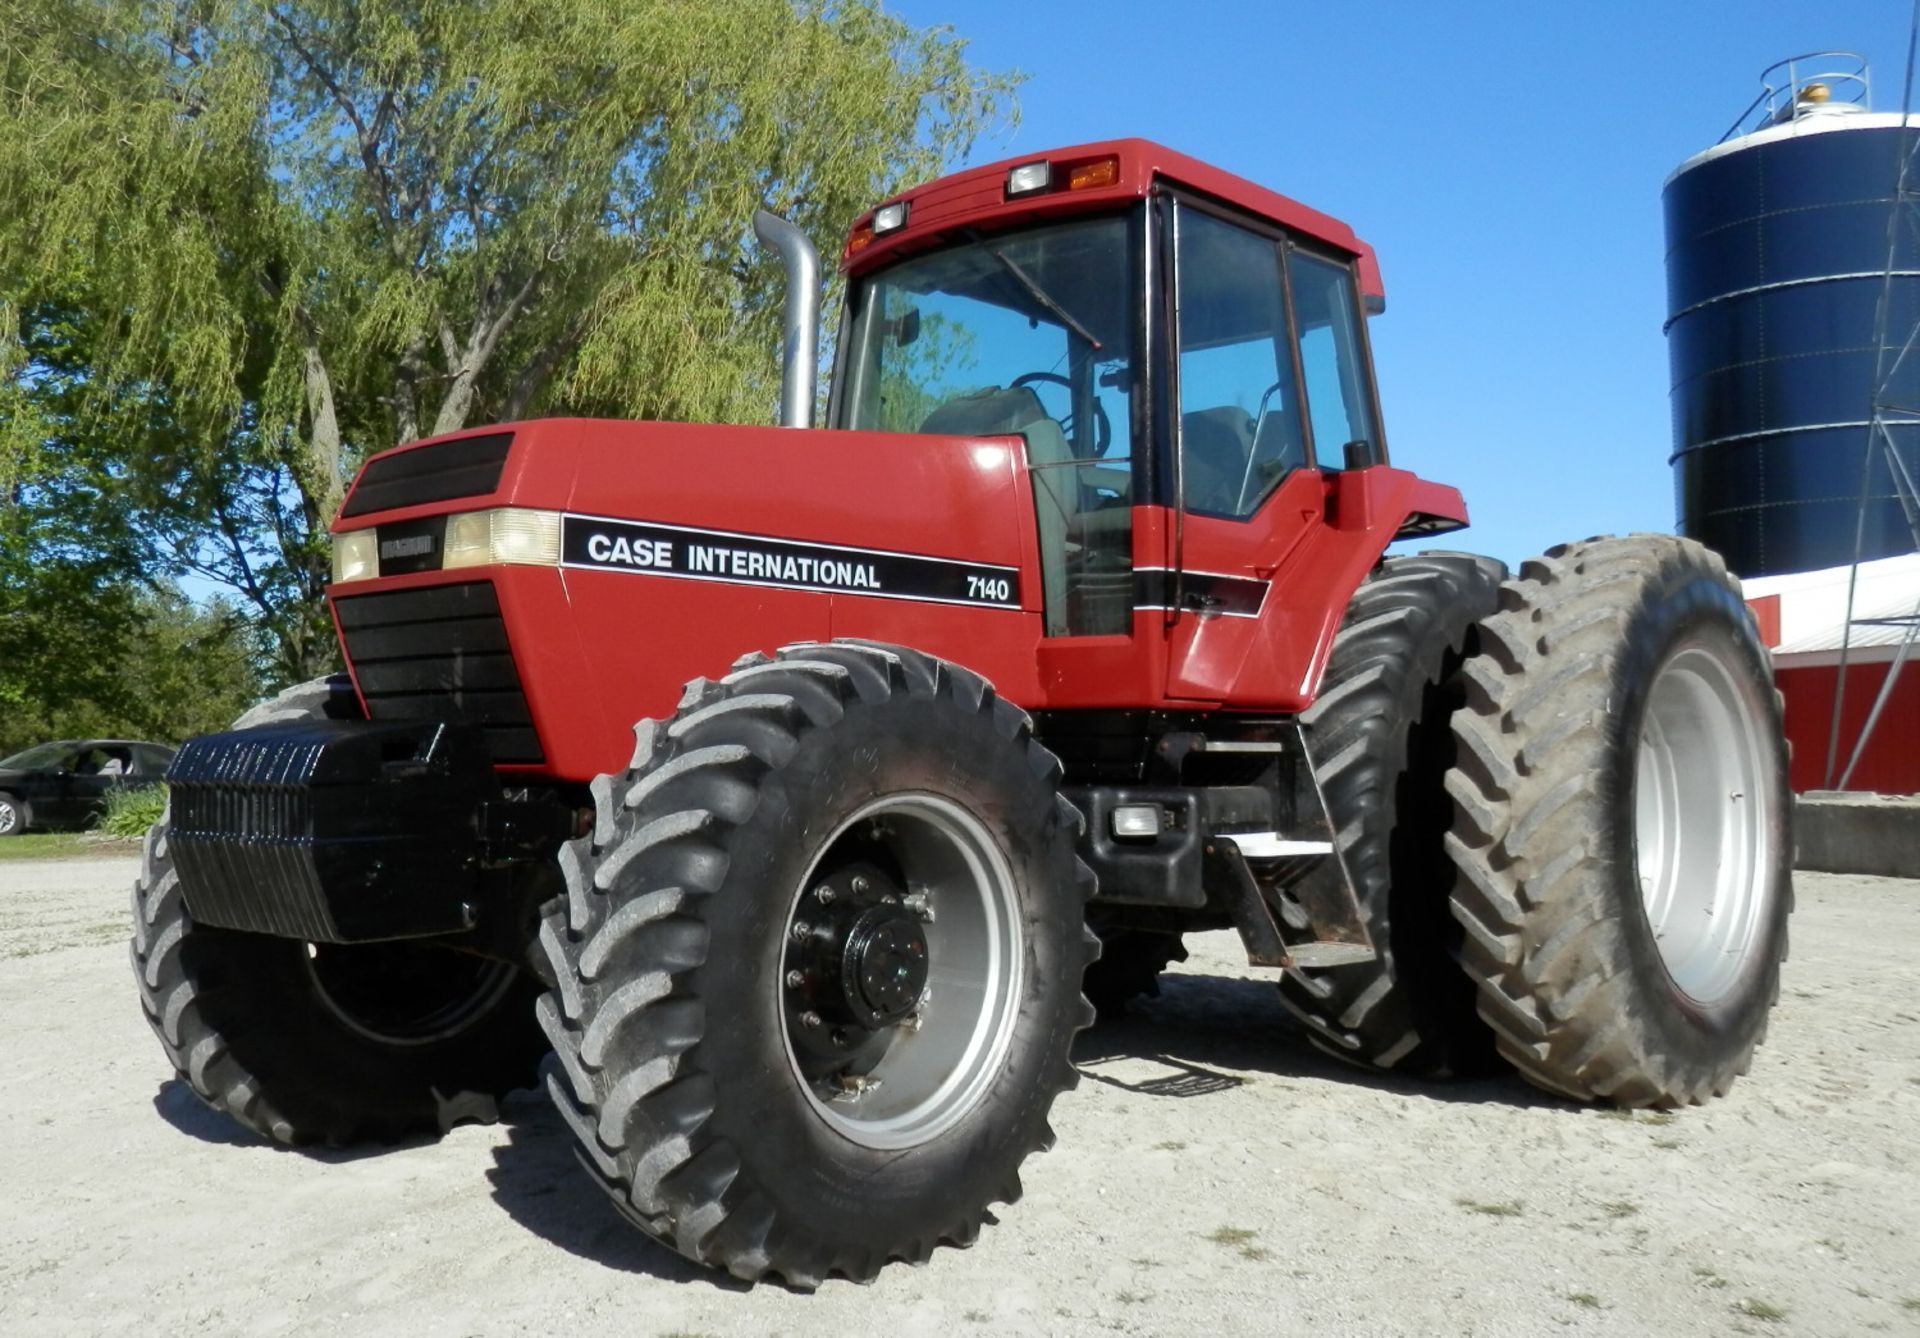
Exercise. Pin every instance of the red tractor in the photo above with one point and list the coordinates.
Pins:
(1070, 634)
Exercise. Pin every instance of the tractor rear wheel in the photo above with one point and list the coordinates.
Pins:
(819, 965)
(326, 1043)
(1381, 734)
(1622, 827)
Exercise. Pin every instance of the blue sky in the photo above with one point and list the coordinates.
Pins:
(1506, 162)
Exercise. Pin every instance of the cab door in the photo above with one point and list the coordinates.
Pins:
(1269, 370)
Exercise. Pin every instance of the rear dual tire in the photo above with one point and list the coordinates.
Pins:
(1382, 741)
(1622, 824)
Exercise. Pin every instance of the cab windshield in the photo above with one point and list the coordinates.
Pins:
(1026, 334)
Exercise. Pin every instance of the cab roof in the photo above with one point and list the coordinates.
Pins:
(977, 198)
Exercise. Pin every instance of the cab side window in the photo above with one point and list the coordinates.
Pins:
(1339, 395)
(1241, 427)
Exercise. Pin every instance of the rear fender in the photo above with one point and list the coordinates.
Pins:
(1274, 660)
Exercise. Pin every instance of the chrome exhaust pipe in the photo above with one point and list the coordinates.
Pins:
(802, 334)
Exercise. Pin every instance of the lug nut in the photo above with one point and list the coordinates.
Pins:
(823, 894)
(809, 1019)
(795, 979)
(840, 1037)
(800, 930)
(859, 883)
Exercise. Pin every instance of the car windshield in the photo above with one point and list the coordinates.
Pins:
(38, 758)
(983, 337)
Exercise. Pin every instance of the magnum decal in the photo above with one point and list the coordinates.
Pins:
(752, 559)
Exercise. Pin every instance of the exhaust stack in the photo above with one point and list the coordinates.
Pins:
(802, 334)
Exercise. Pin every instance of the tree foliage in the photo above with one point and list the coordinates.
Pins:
(153, 666)
(243, 244)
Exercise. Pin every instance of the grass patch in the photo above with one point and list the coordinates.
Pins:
(1708, 1278)
(976, 1316)
(1587, 1299)
(1171, 1145)
(1755, 1308)
(65, 845)
(1911, 1303)
(132, 810)
(1668, 1144)
(1241, 1241)
(1512, 1208)
(1621, 1208)
(40, 845)
(1132, 1298)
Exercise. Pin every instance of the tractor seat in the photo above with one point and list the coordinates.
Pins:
(1215, 444)
(1018, 412)
(994, 412)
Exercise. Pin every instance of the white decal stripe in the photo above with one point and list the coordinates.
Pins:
(848, 591)
(797, 543)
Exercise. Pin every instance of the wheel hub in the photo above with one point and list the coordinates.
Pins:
(908, 889)
(884, 967)
(858, 963)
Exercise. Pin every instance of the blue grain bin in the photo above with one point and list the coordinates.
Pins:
(1776, 251)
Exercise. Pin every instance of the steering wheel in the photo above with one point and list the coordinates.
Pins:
(1102, 425)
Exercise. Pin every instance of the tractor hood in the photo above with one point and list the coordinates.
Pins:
(513, 575)
(950, 498)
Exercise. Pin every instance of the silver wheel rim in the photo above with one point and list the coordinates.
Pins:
(1702, 829)
(8, 817)
(935, 1068)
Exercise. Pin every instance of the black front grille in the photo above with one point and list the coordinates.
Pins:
(441, 653)
(264, 883)
(467, 467)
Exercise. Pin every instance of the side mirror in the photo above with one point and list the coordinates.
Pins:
(1357, 454)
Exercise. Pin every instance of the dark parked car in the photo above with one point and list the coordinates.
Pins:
(65, 784)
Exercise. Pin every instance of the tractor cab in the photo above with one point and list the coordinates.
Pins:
(1184, 356)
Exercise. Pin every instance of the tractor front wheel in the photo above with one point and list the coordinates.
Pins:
(1622, 823)
(819, 964)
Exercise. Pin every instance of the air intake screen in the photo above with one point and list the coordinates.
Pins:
(469, 467)
(441, 653)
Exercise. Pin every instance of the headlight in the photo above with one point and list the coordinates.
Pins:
(505, 534)
(356, 556)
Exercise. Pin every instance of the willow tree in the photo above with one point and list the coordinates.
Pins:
(306, 231)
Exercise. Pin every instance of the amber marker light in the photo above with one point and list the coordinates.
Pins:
(1099, 172)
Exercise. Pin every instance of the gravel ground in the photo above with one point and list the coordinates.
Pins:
(1214, 1175)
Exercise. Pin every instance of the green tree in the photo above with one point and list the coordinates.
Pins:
(153, 666)
(289, 234)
